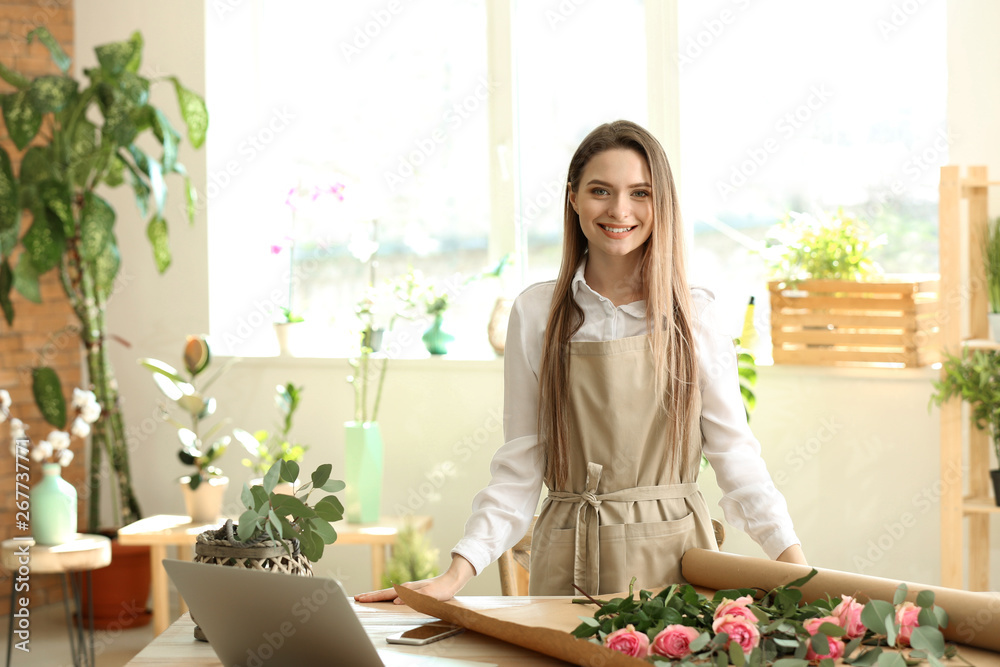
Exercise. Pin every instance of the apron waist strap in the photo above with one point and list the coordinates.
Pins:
(587, 553)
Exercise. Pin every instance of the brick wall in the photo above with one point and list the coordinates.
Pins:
(38, 335)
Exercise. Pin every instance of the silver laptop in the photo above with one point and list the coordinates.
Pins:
(258, 619)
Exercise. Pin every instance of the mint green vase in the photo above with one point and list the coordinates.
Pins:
(53, 508)
(363, 472)
(435, 339)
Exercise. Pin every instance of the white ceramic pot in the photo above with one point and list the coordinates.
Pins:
(287, 335)
(204, 504)
(994, 326)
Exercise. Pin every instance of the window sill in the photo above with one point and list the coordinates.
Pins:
(443, 363)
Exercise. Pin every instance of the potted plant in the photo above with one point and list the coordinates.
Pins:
(284, 330)
(78, 138)
(206, 486)
(830, 304)
(266, 448)
(991, 265)
(413, 558)
(363, 452)
(974, 377)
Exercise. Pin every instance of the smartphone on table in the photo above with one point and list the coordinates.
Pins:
(424, 634)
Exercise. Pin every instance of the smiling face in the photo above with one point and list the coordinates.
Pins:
(615, 203)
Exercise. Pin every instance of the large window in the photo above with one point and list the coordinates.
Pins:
(338, 128)
(808, 107)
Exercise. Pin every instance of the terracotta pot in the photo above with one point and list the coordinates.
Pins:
(121, 589)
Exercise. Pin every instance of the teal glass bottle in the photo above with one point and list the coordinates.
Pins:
(363, 458)
(53, 508)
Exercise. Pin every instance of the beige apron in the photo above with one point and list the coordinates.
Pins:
(630, 508)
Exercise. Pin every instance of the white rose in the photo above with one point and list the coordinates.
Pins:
(90, 411)
(38, 452)
(80, 428)
(17, 428)
(65, 457)
(59, 440)
(82, 397)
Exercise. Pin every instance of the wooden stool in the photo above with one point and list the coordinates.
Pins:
(83, 554)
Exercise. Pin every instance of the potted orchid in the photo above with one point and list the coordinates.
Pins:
(53, 501)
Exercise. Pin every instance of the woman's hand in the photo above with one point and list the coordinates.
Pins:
(793, 554)
(441, 587)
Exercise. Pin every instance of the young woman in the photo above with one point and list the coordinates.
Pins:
(616, 380)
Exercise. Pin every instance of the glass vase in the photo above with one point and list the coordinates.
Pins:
(435, 339)
(363, 460)
(53, 508)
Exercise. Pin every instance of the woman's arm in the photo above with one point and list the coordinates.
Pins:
(442, 587)
(793, 554)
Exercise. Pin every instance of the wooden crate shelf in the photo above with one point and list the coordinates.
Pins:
(839, 322)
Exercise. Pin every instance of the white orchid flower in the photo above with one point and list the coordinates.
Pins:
(80, 428)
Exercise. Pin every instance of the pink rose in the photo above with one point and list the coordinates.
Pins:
(738, 607)
(740, 630)
(673, 641)
(836, 650)
(629, 642)
(848, 615)
(906, 616)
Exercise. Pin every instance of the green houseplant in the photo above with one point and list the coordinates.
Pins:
(205, 486)
(825, 247)
(991, 264)
(974, 377)
(78, 138)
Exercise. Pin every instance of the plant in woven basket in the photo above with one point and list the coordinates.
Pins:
(278, 516)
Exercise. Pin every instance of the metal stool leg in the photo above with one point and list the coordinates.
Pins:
(90, 614)
(10, 625)
(84, 633)
(70, 625)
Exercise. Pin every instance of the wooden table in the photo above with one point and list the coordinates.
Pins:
(163, 530)
(176, 646)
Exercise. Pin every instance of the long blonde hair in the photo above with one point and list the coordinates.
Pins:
(664, 287)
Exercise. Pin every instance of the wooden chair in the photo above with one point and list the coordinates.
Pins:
(514, 562)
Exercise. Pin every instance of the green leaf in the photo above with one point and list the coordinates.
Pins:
(26, 279)
(15, 79)
(890, 659)
(289, 471)
(156, 232)
(867, 658)
(900, 595)
(311, 546)
(22, 119)
(10, 209)
(942, 616)
(330, 509)
(52, 93)
(248, 525)
(136, 60)
(249, 442)
(321, 475)
(45, 244)
(136, 90)
(284, 505)
(333, 486)
(168, 137)
(736, 656)
(115, 175)
(699, 642)
(56, 197)
(259, 497)
(105, 269)
(271, 477)
(139, 186)
(190, 199)
(928, 639)
(59, 56)
(891, 630)
(324, 530)
(802, 581)
(873, 615)
(820, 644)
(925, 599)
(6, 282)
(115, 57)
(831, 630)
(85, 155)
(36, 166)
(47, 389)
(246, 497)
(97, 219)
(195, 481)
(194, 112)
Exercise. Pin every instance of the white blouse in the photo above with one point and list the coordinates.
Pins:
(502, 512)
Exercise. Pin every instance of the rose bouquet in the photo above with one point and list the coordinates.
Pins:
(680, 626)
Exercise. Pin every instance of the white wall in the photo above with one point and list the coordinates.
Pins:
(862, 492)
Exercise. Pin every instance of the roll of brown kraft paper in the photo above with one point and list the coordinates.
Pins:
(974, 618)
